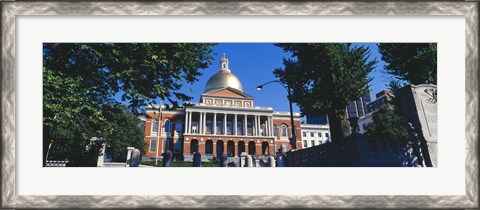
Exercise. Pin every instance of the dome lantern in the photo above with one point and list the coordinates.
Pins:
(224, 63)
(223, 78)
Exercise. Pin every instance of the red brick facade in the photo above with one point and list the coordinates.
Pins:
(274, 133)
(224, 122)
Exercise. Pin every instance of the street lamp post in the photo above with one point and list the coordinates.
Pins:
(293, 140)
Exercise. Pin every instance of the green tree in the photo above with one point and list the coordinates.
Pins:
(81, 82)
(324, 77)
(387, 123)
(412, 62)
(122, 131)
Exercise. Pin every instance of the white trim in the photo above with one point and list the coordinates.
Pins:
(150, 145)
(281, 131)
(152, 125)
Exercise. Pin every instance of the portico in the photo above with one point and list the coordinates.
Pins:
(221, 126)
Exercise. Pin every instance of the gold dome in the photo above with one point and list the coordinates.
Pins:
(223, 78)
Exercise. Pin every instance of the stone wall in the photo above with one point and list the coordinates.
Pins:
(419, 107)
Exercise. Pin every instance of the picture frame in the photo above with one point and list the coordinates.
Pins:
(12, 10)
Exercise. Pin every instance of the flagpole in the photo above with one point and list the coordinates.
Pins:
(158, 131)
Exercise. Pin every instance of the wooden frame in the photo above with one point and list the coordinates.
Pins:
(12, 9)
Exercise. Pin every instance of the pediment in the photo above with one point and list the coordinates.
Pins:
(227, 92)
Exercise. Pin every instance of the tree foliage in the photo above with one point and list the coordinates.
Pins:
(387, 123)
(122, 131)
(82, 82)
(412, 62)
(324, 77)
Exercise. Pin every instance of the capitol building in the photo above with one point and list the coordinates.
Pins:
(225, 121)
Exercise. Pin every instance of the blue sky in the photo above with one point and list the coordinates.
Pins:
(253, 64)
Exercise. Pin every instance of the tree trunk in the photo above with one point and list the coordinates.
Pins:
(339, 126)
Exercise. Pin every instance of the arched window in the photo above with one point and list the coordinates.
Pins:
(179, 127)
(241, 147)
(209, 147)
(265, 148)
(284, 131)
(251, 148)
(219, 148)
(154, 126)
(230, 149)
(167, 127)
(193, 146)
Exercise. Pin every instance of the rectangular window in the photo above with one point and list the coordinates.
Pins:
(304, 144)
(312, 134)
(249, 129)
(304, 134)
(153, 145)
(195, 127)
(284, 131)
(208, 126)
(219, 127)
(229, 128)
(319, 135)
(239, 128)
(313, 143)
(327, 135)
(154, 126)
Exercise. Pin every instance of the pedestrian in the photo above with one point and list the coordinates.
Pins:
(280, 158)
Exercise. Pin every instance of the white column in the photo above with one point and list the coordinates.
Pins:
(254, 125)
(255, 132)
(190, 122)
(204, 122)
(225, 124)
(214, 124)
(235, 125)
(259, 126)
(356, 108)
(270, 124)
(269, 127)
(186, 122)
(245, 126)
(200, 122)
